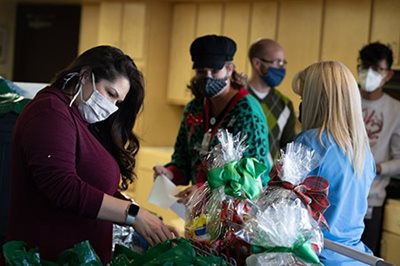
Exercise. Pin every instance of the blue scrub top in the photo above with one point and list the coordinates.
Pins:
(347, 195)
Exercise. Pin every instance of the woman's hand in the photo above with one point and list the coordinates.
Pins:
(152, 228)
(161, 170)
(185, 194)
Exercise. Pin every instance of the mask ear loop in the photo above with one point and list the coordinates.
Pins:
(68, 77)
(93, 82)
(78, 92)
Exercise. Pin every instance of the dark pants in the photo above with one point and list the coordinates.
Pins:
(7, 122)
(373, 227)
(373, 230)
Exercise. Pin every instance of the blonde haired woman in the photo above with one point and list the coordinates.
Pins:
(332, 125)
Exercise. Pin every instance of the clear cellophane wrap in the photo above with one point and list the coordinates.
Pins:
(220, 207)
(285, 228)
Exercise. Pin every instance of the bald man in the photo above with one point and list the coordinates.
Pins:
(268, 63)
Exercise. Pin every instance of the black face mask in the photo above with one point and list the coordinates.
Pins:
(210, 86)
(301, 103)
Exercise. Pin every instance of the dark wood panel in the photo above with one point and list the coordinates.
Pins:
(47, 39)
(393, 86)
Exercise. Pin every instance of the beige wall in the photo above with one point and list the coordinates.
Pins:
(308, 30)
(160, 120)
(159, 34)
(142, 30)
(7, 23)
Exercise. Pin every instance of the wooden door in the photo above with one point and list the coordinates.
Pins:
(47, 39)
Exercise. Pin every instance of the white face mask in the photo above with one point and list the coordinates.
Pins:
(97, 108)
(370, 80)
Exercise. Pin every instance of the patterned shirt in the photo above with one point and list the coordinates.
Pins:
(278, 110)
(242, 115)
(382, 123)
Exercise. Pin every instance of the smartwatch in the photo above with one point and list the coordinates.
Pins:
(131, 213)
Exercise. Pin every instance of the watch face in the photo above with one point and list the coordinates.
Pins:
(133, 210)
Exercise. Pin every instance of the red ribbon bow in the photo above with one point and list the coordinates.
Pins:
(313, 192)
(192, 121)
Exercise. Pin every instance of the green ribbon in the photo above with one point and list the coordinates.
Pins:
(238, 178)
(302, 249)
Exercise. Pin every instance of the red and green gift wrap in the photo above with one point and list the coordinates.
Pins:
(239, 179)
(313, 192)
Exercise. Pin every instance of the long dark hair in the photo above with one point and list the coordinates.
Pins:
(116, 132)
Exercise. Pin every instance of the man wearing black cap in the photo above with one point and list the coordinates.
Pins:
(221, 102)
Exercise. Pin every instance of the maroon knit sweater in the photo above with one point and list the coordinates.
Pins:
(60, 172)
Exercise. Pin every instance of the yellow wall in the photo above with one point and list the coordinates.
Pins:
(308, 30)
(160, 120)
(157, 34)
(7, 23)
(142, 30)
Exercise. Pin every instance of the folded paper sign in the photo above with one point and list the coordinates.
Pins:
(163, 194)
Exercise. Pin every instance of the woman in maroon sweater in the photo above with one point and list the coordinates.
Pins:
(73, 146)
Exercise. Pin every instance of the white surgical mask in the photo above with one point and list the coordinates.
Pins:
(370, 80)
(97, 108)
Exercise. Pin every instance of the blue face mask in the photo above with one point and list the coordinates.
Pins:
(274, 76)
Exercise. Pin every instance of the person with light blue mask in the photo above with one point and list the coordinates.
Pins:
(268, 65)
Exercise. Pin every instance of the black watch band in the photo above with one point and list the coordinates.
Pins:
(131, 213)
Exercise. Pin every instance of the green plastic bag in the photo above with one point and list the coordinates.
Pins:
(174, 252)
(15, 254)
(82, 254)
(10, 100)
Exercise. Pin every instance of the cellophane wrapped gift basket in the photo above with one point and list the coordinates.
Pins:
(278, 225)
(286, 227)
(220, 206)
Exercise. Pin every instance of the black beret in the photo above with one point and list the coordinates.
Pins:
(212, 51)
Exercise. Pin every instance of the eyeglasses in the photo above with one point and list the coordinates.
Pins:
(279, 63)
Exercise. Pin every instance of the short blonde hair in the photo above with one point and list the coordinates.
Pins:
(331, 103)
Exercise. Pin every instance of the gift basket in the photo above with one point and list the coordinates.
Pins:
(220, 206)
(278, 225)
(286, 226)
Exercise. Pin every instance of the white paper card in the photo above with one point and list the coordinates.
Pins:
(179, 209)
(163, 192)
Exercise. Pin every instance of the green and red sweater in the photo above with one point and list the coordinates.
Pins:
(242, 115)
